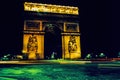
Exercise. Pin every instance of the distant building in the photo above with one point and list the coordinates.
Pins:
(51, 28)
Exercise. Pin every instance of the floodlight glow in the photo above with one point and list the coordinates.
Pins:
(38, 7)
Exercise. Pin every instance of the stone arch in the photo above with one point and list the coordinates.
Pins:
(52, 41)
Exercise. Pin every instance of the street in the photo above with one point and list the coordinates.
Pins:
(62, 71)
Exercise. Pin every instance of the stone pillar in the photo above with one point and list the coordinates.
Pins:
(71, 46)
(33, 41)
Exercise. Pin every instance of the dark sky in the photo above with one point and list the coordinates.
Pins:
(98, 23)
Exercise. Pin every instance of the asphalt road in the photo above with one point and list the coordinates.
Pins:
(86, 71)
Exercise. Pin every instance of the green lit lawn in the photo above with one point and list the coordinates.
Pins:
(57, 72)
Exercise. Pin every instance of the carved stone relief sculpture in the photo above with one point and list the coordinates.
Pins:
(32, 44)
(72, 47)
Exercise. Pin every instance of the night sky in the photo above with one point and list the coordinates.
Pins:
(99, 25)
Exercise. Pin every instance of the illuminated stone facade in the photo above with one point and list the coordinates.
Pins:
(37, 7)
(53, 36)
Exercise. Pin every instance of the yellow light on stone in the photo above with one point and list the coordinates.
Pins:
(69, 28)
(23, 51)
(38, 7)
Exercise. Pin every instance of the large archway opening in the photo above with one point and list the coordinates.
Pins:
(52, 42)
